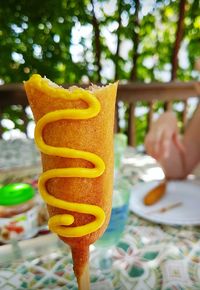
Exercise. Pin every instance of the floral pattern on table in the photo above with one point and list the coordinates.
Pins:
(148, 256)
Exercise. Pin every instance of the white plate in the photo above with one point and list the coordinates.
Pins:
(177, 191)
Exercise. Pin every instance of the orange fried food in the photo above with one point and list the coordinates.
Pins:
(74, 132)
(155, 194)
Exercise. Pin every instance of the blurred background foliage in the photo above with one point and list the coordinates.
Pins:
(82, 41)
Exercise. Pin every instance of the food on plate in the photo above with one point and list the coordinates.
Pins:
(155, 194)
(74, 132)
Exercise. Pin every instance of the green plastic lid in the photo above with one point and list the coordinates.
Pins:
(16, 193)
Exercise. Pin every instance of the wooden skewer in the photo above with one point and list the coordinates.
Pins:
(84, 279)
(80, 257)
(164, 209)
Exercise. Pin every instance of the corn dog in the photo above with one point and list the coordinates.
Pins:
(155, 194)
(74, 132)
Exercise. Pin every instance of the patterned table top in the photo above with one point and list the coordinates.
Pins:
(148, 255)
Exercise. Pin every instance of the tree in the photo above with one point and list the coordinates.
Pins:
(136, 27)
(96, 42)
(178, 39)
(71, 41)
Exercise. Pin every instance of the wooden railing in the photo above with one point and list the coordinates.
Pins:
(130, 94)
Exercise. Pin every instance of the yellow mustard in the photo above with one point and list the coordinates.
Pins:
(60, 223)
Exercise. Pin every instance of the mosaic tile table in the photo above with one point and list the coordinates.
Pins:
(148, 256)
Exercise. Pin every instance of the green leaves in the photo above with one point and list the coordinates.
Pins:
(57, 39)
(41, 35)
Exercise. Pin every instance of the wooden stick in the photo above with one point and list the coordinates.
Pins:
(80, 257)
(84, 279)
(166, 208)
